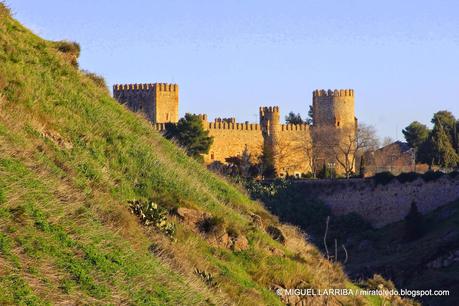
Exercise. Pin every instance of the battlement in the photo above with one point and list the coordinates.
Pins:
(227, 120)
(164, 87)
(159, 126)
(203, 117)
(333, 93)
(269, 109)
(223, 125)
(294, 127)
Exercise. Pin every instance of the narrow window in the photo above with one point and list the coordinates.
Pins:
(212, 155)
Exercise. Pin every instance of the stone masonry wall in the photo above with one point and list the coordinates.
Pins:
(382, 204)
(230, 140)
(293, 142)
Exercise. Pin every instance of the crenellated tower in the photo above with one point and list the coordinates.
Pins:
(335, 125)
(159, 101)
(270, 127)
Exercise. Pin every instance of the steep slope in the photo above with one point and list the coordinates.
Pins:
(429, 262)
(70, 160)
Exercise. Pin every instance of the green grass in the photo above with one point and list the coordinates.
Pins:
(70, 160)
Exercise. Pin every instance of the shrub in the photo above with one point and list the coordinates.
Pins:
(431, 175)
(377, 281)
(150, 213)
(97, 79)
(407, 177)
(276, 233)
(70, 49)
(212, 225)
(383, 178)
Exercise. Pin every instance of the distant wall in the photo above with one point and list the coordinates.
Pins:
(382, 204)
(230, 140)
(293, 141)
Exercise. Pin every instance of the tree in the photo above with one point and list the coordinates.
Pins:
(309, 119)
(349, 144)
(442, 150)
(387, 141)
(449, 123)
(293, 118)
(189, 133)
(242, 165)
(416, 134)
(447, 120)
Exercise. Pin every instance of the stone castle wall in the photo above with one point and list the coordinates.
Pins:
(230, 140)
(283, 142)
(382, 204)
(293, 142)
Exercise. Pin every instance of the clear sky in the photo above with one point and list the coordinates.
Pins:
(232, 56)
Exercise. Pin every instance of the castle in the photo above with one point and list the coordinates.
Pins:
(292, 149)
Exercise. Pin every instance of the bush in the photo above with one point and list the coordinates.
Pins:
(431, 175)
(97, 79)
(212, 225)
(377, 281)
(407, 177)
(70, 49)
(383, 178)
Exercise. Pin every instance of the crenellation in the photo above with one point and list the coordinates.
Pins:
(333, 93)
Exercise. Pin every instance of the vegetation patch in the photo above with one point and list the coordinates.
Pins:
(151, 214)
(212, 225)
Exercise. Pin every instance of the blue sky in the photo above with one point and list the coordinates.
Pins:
(230, 57)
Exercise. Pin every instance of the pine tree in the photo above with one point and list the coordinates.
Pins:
(190, 134)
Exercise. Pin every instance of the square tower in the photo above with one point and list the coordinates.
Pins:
(158, 101)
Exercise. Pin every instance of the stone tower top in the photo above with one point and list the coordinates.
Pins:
(145, 86)
(333, 108)
(159, 101)
(333, 93)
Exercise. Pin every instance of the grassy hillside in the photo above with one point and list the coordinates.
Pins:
(70, 160)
